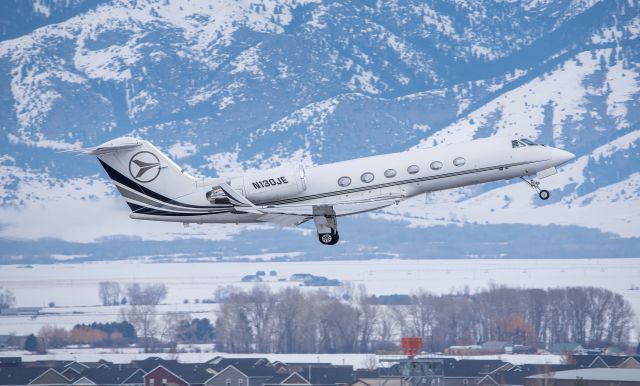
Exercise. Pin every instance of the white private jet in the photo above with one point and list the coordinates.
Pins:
(157, 189)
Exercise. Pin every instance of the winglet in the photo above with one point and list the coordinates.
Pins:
(239, 202)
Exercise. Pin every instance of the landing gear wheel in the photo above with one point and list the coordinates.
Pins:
(544, 194)
(326, 238)
(329, 238)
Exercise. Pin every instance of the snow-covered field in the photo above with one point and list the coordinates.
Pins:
(74, 287)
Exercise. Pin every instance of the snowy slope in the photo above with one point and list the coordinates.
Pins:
(225, 86)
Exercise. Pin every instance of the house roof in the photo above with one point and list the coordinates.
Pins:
(559, 348)
(392, 381)
(330, 375)
(593, 360)
(10, 361)
(193, 373)
(611, 375)
(151, 363)
(494, 345)
(251, 367)
(518, 373)
(367, 373)
(110, 376)
(25, 375)
(286, 379)
(20, 375)
(46, 363)
(470, 367)
(583, 360)
(613, 360)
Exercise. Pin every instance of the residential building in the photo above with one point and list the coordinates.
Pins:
(591, 377)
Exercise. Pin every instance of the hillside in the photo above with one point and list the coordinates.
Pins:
(224, 86)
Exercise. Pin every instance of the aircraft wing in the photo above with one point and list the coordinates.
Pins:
(283, 219)
(287, 215)
(337, 209)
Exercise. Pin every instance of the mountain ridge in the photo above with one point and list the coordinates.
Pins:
(225, 87)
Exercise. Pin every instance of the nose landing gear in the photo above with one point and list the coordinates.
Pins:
(535, 185)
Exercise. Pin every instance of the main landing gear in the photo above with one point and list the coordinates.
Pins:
(329, 238)
(327, 227)
(535, 185)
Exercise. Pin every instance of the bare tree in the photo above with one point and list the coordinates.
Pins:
(53, 337)
(150, 294)
(367, 319)
(109, 293)
(7, 298)
(144, 318)
(173, 324)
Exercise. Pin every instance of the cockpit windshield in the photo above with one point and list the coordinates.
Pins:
(522, 143)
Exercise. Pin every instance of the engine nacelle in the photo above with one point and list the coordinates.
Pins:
(272, 185)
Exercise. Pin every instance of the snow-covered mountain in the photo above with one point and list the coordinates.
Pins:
(227, 85)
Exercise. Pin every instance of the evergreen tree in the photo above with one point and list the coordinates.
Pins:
(31, 343)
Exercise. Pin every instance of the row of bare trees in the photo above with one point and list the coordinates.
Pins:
(294, 321)
(112, 294)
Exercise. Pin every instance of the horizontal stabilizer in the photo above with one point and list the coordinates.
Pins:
(109, 147)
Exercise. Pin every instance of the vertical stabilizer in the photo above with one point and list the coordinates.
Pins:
(150, 182)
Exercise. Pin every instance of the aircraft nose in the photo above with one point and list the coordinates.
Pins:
(561, 157)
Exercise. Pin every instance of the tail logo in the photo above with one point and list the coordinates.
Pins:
(144, 166)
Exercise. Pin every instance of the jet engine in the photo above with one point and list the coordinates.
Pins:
(272, 185)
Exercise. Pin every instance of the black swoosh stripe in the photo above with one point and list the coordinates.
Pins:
(156, 212)
(389, 184)
(117, 176)
(149, 202)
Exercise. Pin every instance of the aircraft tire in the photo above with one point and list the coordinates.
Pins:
(327, 238)
(544, 194)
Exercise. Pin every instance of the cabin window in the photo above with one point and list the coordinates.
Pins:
(436, 165)
(528, 142)
(515, 143)
(240, 382)
(152, 381)
(344, 181)
(459, 161)
(413, 169)
(228, 382)
(164, 381)
(390, 173)
(367, 177)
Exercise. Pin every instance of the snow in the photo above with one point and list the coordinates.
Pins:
(313, 116)
(625, 86)
(140, 103)
(225, 164)
(126, 355)
(521, 112)
(68, 316)
(614, 208)
(74, 287)
(248, 62)
(182, 149)
(363, 81)
(206, 352)
(625, 142)
(41, 8)
(79, 210)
